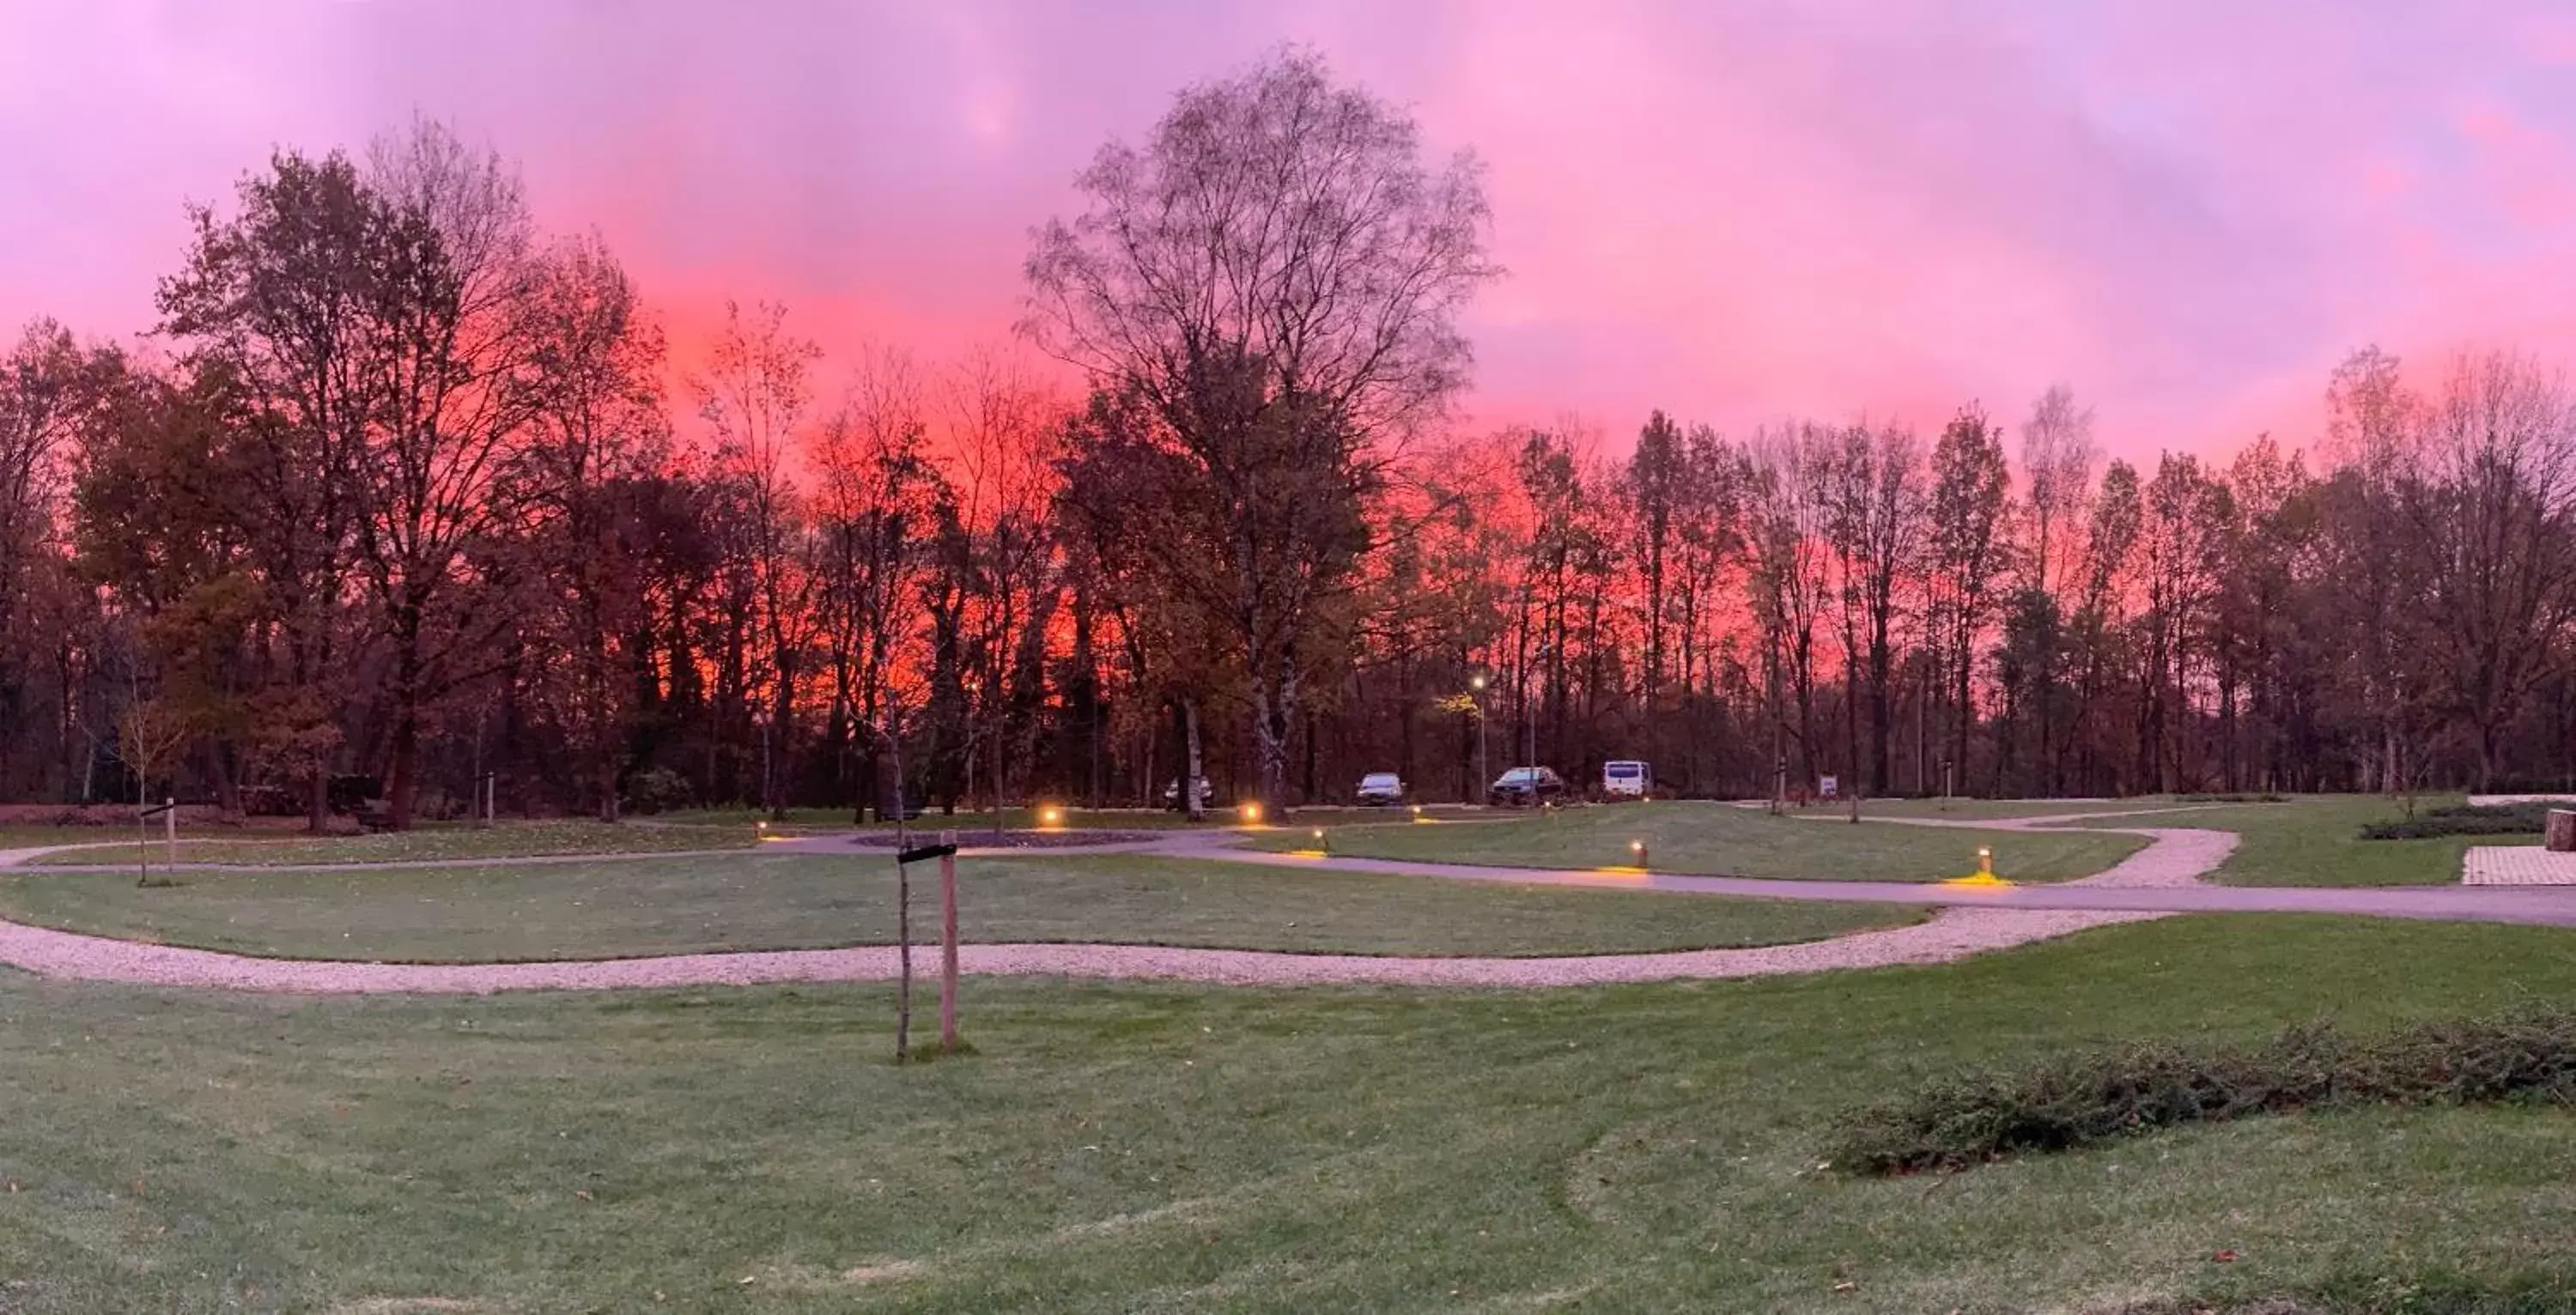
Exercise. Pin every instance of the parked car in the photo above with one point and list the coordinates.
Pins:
(1626, 779)
(1172, 793)
(1526, 785)
(1381, 788)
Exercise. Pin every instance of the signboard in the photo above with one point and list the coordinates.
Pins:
(1825, 787)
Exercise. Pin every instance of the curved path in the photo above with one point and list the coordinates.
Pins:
(2158, 881)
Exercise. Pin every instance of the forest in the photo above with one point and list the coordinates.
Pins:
(402, 494)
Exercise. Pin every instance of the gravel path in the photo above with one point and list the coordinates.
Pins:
(2158, 881)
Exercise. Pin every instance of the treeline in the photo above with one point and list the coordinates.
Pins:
(405, 490)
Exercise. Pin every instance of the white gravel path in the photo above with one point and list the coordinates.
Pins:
(2173, 858)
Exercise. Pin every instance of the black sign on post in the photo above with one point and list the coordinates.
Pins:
(158, 809)
(925, 852)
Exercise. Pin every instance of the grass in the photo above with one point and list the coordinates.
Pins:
(1018, 818)
(426, 844)
(1987, 809)
(1725, 840)
(782, 901)
(2315, 840)
(1143, 1147)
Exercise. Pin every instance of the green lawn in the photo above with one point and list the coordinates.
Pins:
(785, 901)
(507, 840)
(28, 837)
(1079, 819)
(1725, 840)
(2315, 840)
(1160, 1148)
(1985, 809)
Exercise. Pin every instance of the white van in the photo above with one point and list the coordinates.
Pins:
(1626, 780)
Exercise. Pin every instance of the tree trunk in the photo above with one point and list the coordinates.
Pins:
(1191, 767)
(403, 785)
(1273, 706)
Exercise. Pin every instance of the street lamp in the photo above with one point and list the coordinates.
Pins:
(1484, 764)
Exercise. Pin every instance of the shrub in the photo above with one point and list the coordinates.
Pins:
(656, 790)
(2071, 1101)
(2464, 820)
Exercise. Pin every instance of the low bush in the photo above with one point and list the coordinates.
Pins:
(2463, 820)
(2071, 1101)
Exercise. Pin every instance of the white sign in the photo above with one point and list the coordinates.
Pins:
(1825, 787)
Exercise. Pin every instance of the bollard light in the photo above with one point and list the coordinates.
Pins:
(1252, 814)
(1985, 861)
(1320, 846)
(1637, 851)
(1050, 816)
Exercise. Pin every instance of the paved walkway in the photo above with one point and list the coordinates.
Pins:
(2160, 880)
(2516, 865)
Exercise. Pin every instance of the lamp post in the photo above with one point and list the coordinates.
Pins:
(1484, 764)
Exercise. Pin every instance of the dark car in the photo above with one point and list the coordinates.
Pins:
(1522, 786)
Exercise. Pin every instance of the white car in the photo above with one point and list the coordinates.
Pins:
(1626, 779)
(1381, 788)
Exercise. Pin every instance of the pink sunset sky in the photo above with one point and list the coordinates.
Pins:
(2187, 211)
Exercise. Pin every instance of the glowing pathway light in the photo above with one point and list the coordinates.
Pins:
(1252, 814)
(1985, 872)
(1417, 814)
(1051, 817)
(1321, 847)
(1637, 852)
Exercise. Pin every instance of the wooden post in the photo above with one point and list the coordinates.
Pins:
(903, 959)
(948, 944)
(170, 828)
(2559, 831)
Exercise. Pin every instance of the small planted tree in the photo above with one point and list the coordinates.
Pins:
(150, 735)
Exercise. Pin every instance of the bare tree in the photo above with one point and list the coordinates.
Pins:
(2372, 424)
(1003, 429)
(2491, 502)
(455, 369)
(2057, 460)
(598, 434)
(754, 395)
(1278, 276)
(874, 501)
(1968, 503)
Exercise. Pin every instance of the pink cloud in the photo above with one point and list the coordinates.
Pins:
(2186, 211)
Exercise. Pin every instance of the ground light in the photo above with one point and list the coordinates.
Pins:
(1320, 846)
(1050, 817)
(1985, 872)
(1417, 814)
(1637, 852)
(1252, 814)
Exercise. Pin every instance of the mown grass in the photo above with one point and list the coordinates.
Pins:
(1725, 840)
(786, 901)
(1139, 1147)
(967, 822)
(1989, 809)
(2315, 840)
(434, 843)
